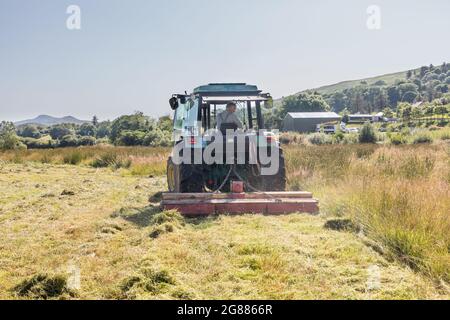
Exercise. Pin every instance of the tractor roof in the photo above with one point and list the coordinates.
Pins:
(227, 89)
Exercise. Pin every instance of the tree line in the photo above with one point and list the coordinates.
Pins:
(428, 84)
(128, 130)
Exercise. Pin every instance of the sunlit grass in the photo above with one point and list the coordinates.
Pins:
(399, 195)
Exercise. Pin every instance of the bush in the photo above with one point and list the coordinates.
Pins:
(397, 138)
(338, 137)
(367, 134)
(74, 157)
(157, 138)
(350, 138)
(30, 131)
(130, 138)
(60, 131)
(320, 139)
(422, 138)
(111, 159)
(43, 143)
(69, 141)
(87, 141)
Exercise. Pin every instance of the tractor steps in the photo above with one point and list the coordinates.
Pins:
(201, 204)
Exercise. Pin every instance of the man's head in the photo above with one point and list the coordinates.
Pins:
(231, 107)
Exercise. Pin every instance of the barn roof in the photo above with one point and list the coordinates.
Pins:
(313, 115)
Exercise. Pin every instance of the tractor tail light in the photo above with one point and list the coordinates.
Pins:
(192, 140)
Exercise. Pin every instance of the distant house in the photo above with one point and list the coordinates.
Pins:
(307, 121)
(361, 118)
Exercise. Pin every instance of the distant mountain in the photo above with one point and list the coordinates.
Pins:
(49, 120)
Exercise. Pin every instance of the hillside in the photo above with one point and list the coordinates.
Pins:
(389, 79)
(428, 84)
(47, 120)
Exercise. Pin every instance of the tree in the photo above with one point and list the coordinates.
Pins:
(87, 129)
(409, 96)
(388, 113)
(30, 131)
(377, 99)
(134, 122)
(404, 110)
(60, 130)
(69, 140)
(87, 141)
(345, 115)
(304, 102)
(337, 101)
(165, 123)
(440, 110)
(157, 137)
(380, 83)
(95, 121)
(442, 88)
(393, 96)
(130, 138)
(367, 134)
(416, 112)
(423, 70)
(408, 74)
(103, 129)
(8, 137)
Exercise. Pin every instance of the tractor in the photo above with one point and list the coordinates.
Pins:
(197, 113)
(227, 169)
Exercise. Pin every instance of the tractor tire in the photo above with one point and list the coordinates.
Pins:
(183, 178)
(276, 182)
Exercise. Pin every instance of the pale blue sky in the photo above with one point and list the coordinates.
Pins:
(132, 55)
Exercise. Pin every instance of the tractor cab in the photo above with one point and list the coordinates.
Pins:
(198, 112)
(206, 157)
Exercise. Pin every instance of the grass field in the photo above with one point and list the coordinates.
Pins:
(92, 221)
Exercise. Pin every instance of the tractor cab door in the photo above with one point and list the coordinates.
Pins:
(186, 118)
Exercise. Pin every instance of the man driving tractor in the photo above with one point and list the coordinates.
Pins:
(228, 117)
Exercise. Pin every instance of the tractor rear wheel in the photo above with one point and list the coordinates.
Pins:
(183, 178)
(276, 182)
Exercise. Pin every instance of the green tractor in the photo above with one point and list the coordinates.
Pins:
(194, 124)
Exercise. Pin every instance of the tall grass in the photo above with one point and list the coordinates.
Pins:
(137, 160)
(400, 196)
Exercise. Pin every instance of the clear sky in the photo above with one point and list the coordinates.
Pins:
(132, 55)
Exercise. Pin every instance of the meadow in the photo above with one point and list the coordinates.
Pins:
(91, 215)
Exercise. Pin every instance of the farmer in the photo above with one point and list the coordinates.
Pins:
(228, 117)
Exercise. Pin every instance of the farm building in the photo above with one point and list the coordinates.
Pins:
(307, 121)
(361, 118)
